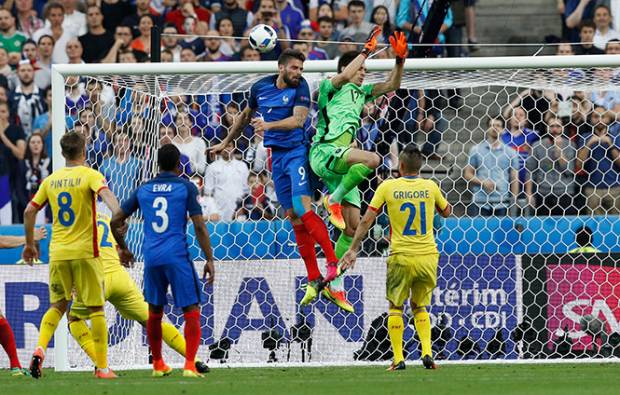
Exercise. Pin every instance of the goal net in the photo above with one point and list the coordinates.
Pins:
(526, 150)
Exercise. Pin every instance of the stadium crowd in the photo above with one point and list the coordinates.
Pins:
(546, 154)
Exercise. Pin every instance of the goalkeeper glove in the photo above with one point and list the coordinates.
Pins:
(371, 41)
(399, 45)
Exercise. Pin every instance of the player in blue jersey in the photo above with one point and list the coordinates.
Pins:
(165, 202)
(281, 103)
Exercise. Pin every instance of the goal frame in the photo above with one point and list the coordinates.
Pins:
(61, 71)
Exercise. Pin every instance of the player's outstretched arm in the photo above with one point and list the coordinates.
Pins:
(399, 45)
(16, 241)
(118, 228)
(202, 234)
(240, 123)
(347, 74)
(348, 259)
(110, 200)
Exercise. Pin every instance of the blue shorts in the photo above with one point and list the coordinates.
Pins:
(183, 281)
(291, 174)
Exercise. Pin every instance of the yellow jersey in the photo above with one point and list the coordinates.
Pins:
(107, 245)
(411, 203)
(71, 193)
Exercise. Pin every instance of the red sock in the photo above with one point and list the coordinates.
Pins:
(192, 337)
(305, 244)
(8, 342)
(153, 332)
(317, 229)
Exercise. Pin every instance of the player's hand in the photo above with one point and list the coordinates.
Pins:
(208, 273)
(29, 254)
(40, 233)
(488, 186)
(348, 260)
(126, 257)
(259, 125)
(398, 41)
(371, 41)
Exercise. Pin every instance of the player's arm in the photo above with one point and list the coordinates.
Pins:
(17, 241)
(117, 226)
(347, 74)
(240, 123)
(110, 200)
(348, 260)
(202, 234)
(399, 45)
(442, 205)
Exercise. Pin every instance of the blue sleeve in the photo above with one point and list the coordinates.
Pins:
(252, 103)
(448, 19)
(474, 159)
(302, 95)
(131, 205)
(402, 15)
(193, 208)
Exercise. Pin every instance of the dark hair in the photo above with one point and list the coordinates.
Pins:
(289, 54)
(497, 118)
(146, 16)
(46, 36)
(28, 155)
(29, 41)
(72, 145)
(168, 157)
(583, 236)
(587, 23)
(602, 6)
(219, 22)
(387, 26)
(346, 58)
(612, 41)
(411, 159)
(50, 6)
(325, 19)
(356, 3)
(244, 49)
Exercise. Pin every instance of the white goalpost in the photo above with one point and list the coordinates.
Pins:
(507, 292)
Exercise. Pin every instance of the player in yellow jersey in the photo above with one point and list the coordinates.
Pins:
(74, 251)
(123, 293)
(412, 265)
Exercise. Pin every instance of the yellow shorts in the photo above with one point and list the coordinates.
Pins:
(85, 276)
(123, 293)
(412, 277)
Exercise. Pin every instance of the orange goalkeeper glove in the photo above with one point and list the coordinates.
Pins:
(371, 41)
(399, 45)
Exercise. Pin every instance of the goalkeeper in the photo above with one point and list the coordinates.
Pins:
(412, 264)
(333, 157)
(122, 292)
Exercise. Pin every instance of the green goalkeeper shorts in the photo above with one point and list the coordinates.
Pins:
(329, 162)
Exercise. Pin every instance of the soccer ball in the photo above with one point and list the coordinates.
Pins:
(263, 38)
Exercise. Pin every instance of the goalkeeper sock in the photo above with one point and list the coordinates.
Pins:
(192, 337)
(396, 328)
(7, 339)
(154, 334)
(100, 338)
(173, 338)
(423, 327)
(356, 174)
(81, 333)
(317, 229)
(342, 245)
(305, 244)
(48, 325)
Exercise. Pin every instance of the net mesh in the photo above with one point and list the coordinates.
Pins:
(505, 287)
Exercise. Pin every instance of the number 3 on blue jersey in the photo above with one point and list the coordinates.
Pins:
(409, 230)
(161, 205)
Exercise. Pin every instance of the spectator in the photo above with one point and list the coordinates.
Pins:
(167, 56)
(54, 14)
(45, 46)
(12, 150)
(358, 29)
(114, 12)
(240, 19)
(407, 8)
(170, 42)
(257, 155)
(75, 51)
(599, 157)
(185, 9)
(188, 55)
(313, 52)
(431, 122)
(122, 43)
(584, 240)
(226, 180)
(98, 40)
(127, 56)
(229, 46)
(10, 39)
(520, 138)
(97, 143)
(210, 211)
(35, 168)
(344, 47)
(575, 12)
(43, 123)
(327, 33)
(534, 102)
(74, 20)
(256, 205)
(195, 43)
(143, 7)
(290, 16)
(122, 170)
(604, 32)
(564, 48)
(28, 21)
(142, 43)
(26, 101)
(605, 99)
(213, 52)
(5, 68)
(586, 37)
(29, 51)
(249, 54)
(268, 14)
(492, 173)
(192, 146)
(551, 169)
(612, 47)
(381, 17)
(470, 24)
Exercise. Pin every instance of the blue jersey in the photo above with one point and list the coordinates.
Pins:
(274, 104)
(165, 202)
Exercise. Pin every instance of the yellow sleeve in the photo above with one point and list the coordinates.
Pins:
(379, 198)
(40, 198)
(440, 200)
(96, 181)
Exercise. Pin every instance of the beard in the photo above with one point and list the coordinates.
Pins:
(292, 82)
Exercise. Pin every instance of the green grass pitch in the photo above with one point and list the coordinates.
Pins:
(582, 379)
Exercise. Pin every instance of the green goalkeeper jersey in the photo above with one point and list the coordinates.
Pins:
(340, 111)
